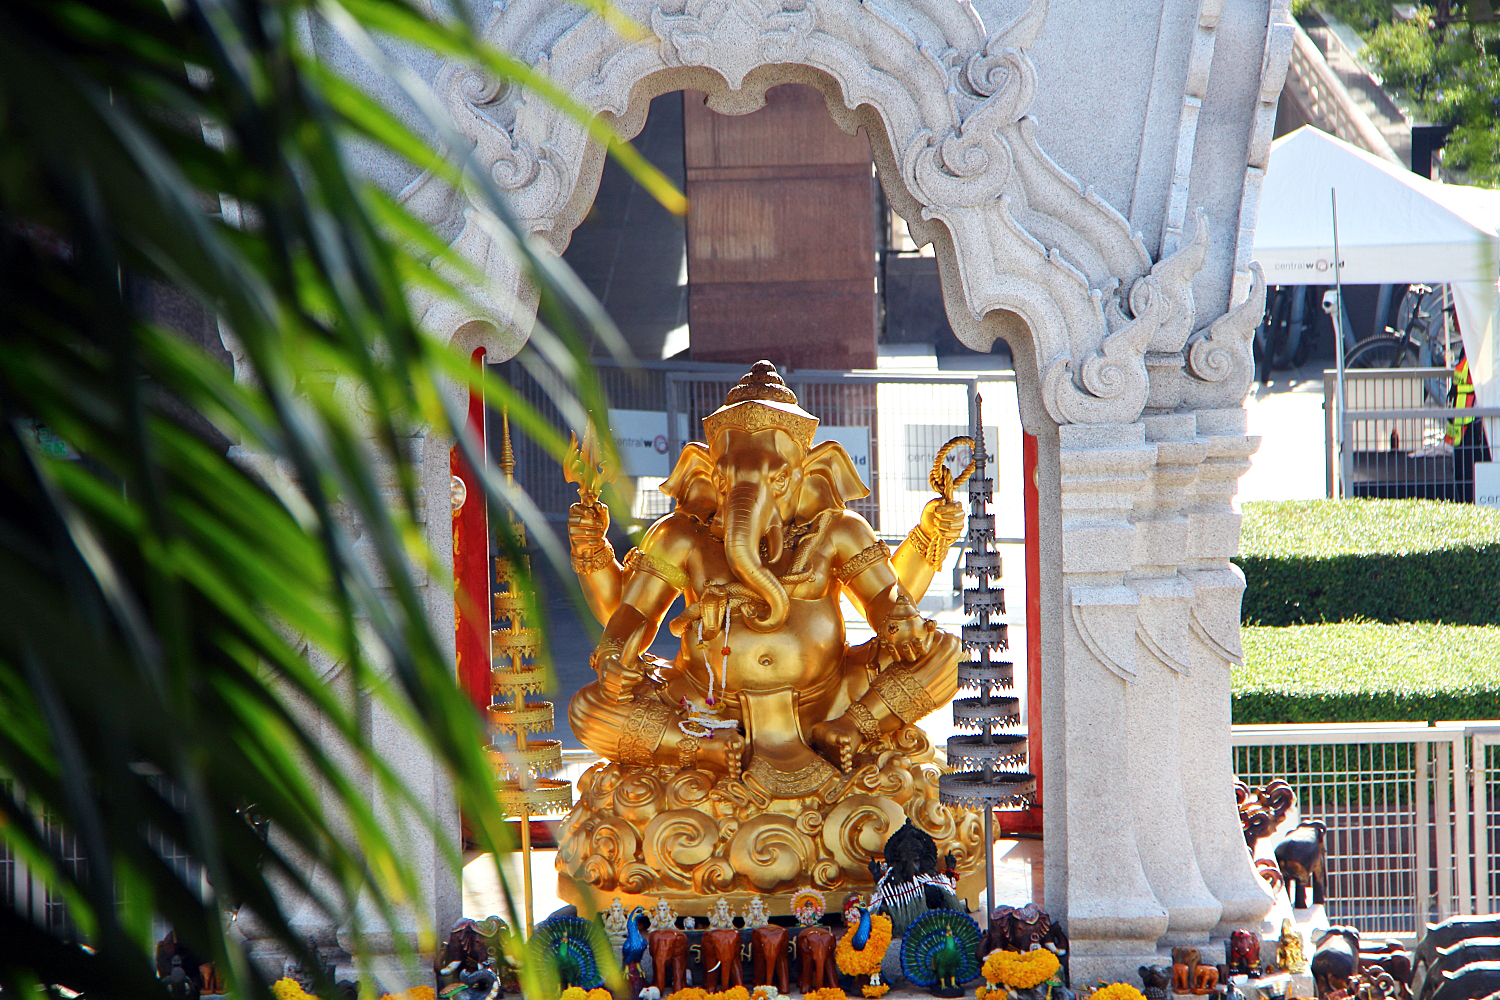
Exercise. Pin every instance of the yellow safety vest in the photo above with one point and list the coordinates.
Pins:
(1461, 396)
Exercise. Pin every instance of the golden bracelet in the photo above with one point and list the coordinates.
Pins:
(864, 721)
(594, 560)
(605, 648)
(687, 753)
(932, 549)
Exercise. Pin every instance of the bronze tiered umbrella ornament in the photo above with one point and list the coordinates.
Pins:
(994, 762)
(524, 767)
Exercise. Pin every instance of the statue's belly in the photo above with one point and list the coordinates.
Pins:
(804, 654)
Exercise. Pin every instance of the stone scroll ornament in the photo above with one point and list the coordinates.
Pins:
(948, 102)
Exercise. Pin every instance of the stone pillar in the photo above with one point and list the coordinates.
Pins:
(422, 848)
(1137, 711)
(1112, 915)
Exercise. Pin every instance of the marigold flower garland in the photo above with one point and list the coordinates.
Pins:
(866, 961)
(699, 993)
(1020, 970)
(1118, 991)
(579, 993)
(875, 990)
(827, 992)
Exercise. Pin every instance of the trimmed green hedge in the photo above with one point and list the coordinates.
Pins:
(1368, 672)
(1311, 561)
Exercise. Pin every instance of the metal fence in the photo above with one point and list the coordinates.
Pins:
(891, 423)
(25, 892)
(1412, 814)
(1395, 422)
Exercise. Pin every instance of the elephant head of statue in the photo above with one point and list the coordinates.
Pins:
(765, 475)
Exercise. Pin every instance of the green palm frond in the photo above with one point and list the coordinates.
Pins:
(163, 600)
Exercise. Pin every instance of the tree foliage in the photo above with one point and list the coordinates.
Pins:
(163, 601)
(1449, 73)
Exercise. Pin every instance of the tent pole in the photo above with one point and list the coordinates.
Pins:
(1338, 334)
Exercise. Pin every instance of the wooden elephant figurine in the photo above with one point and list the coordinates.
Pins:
(815, 966)
(721, 960)
(1185, 962)
(1302, 860)
(1335, 959)
(769, 960)
(668, 947)
(1205, 978)
(1244, 953)
(1154, 980)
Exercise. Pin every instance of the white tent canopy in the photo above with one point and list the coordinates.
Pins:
(1394, 228)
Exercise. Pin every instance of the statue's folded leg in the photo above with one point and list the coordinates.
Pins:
(629, 732)
(644, 732)
(909, 691)
(899, 695)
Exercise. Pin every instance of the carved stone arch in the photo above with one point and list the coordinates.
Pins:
(1134, 398)
(1023, 248)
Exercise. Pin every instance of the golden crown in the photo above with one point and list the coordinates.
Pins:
(760, 401)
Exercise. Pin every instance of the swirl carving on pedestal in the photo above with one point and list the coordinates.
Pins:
(708, 834)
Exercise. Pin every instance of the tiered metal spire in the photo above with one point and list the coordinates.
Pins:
(523, 766)
(995, 761)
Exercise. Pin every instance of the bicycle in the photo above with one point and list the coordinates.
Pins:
(1416, 341)
(1285, 338)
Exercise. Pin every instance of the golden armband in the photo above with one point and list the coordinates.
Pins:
(904, 693)
(862, 560)
(659, 568)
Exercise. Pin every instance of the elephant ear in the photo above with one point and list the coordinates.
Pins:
(830, 461)
(693, 465)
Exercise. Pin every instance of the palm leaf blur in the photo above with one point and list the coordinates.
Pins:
(165, 602)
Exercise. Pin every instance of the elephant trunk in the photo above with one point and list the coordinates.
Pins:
(747, 512)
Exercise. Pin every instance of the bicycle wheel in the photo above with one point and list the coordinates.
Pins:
(1383, 352)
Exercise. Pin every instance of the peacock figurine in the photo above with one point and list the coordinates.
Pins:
(861, 930)
(635, 941)
(563, 950)
(633, 949)
(939, 951)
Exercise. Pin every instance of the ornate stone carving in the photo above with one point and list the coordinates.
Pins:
(734, 36)
(1114, 384)
(949, 100)
(1106, 620)
(1225, 350)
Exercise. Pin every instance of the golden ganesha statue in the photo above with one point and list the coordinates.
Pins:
(768, 756)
